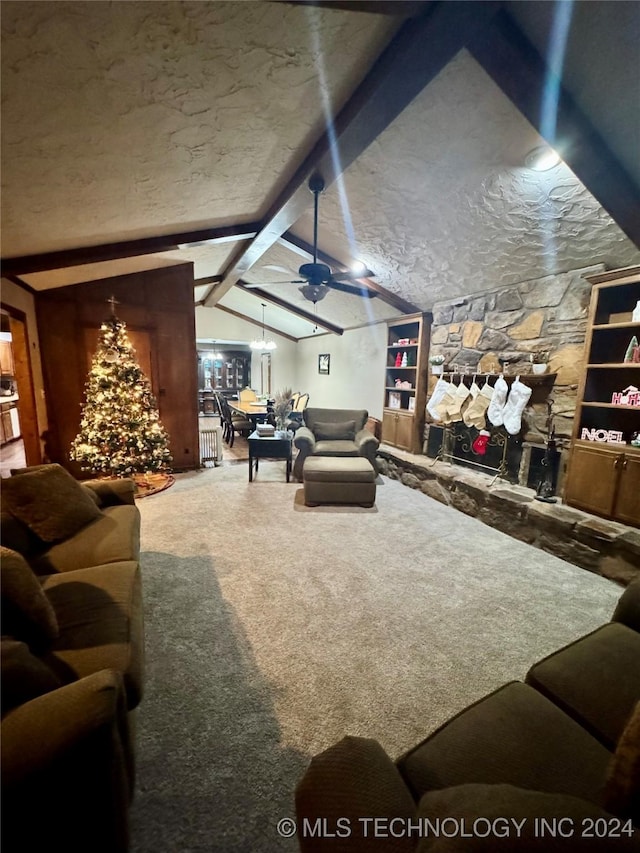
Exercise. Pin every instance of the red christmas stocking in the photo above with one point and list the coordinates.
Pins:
(479, 446)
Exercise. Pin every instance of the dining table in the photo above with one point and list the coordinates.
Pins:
(255, 410)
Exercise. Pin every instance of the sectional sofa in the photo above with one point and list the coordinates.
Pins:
(557, 755)
(72, 660)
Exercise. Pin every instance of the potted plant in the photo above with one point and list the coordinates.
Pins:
(539, 361)
(437, 363)
(282, 407)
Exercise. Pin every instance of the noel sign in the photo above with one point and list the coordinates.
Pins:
(629, 397)
(608, 436)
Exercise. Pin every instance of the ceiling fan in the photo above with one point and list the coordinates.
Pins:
(317, 279)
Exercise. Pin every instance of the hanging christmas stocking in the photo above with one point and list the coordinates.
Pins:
(518, 398)
(454, 410)
(496, 406)
(447, 402)
(474, 414)
(479, 446)
(439, 391)
(473, 393)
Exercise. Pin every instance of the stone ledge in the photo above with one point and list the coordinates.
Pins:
(596, 544)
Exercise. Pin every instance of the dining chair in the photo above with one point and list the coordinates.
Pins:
(301, 403)
(233, 424)
(247, 395)
(295, 419)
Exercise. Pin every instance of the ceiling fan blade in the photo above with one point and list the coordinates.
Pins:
(354, 290)
(270, 283)
(351, 276)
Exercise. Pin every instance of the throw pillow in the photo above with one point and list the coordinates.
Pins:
(27, 613)
(339, 431)
(24, 676)
(622, 788)
(18, 537)
(49, 501)
(477, 818)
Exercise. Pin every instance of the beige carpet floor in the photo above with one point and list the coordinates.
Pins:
(274, 629)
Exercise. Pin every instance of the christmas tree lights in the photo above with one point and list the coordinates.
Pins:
(120, 429)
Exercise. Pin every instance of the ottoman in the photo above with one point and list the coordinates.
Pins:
(338, 479)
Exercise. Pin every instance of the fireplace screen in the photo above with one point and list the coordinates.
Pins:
(455, 443)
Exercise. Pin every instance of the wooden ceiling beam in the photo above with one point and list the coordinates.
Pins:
(260, 325)
(126, 249)
(523, 75)
(208, 279)
(398, 8)
(292, 309)
(421, 48)
(294, 243)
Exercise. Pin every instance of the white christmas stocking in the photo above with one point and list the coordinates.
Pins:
(439, 391)
(518, 398)
(496, 406)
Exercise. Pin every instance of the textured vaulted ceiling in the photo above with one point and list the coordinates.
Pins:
(132, 120)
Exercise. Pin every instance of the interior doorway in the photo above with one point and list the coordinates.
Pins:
(265, 373)
(20, 441)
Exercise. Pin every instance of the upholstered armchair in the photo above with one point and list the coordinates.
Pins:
(334, 432)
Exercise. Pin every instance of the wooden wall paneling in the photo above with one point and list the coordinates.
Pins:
(63, 373)
(158, 308)
(178, 381)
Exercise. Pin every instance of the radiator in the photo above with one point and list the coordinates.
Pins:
(211, 445)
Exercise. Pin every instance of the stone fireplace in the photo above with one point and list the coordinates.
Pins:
(499, 331)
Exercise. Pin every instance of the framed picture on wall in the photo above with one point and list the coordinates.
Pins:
(324, 360)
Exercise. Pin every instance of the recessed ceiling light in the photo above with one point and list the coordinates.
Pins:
(542, 158)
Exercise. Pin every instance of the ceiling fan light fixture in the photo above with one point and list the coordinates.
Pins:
(358, 268)
(542, 158)
(314, 292)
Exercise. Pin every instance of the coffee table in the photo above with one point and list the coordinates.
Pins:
(276, 446)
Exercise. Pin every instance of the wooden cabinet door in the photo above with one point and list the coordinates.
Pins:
(627, 505)
(388, 434)
(404, 432)
(591, 484)
(7, 427)
(6, 358)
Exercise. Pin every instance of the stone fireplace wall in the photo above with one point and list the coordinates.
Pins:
(547, 313)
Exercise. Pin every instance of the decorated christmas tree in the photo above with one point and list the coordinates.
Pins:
(120, 430)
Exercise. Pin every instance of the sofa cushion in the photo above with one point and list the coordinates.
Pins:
(628, 607)
(112, 538)
(26, 612)
(514, 736)
(336, 448)
(622, 788)
(313, 415)
(99, 611)
(596, 680)
(479, 818)
(338, 431)
(24, 676)
(50, 502)
(351, 780)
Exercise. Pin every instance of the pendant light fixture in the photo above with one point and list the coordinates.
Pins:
(263, 344)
